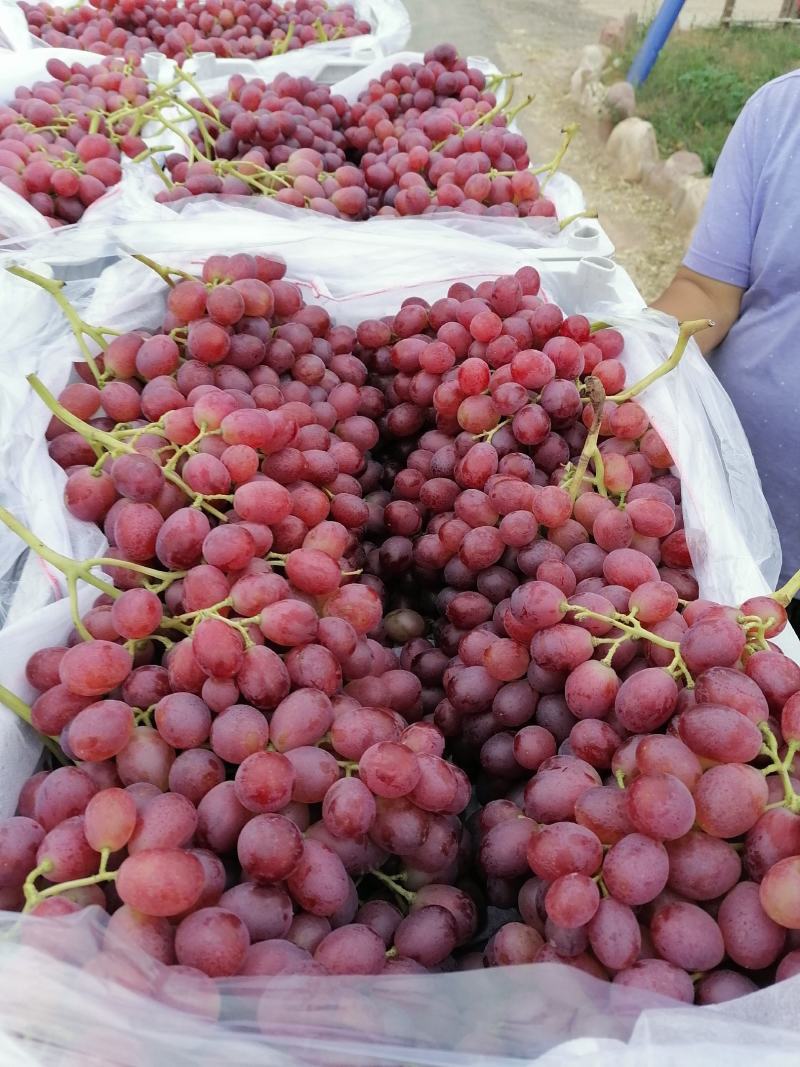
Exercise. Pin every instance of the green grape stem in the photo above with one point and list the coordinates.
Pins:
(791, 800)
(632, 629)
(589, 214)
(183, 76)
(756, 629)
(80, 329)
(685, 331)
(165, 273)
(22, 711)
(549, 169)
(512, 114)
(494, 81)
(68, 567)
(348, 766)
(34, 896)
(282, 45)
(488, 435)
(81, 570)
(394, 885)
(601, 885)
(597, 398)
(786, 594)
(500, 107)
(100, 439)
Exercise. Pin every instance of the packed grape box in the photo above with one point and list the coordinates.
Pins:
(430, 137)
(396, 662)
(226, 28)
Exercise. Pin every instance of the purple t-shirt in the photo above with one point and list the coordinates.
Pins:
(749, 235)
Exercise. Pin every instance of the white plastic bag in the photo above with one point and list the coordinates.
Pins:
(36, 340)
(14, 28)
(136, 192)
(329, 60)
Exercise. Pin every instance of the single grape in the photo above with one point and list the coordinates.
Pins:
(160, 882)
(213, 940)
(687, 937)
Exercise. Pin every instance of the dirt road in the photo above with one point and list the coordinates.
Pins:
(695, 12)
(543, 38)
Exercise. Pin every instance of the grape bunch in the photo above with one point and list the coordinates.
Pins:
(226, 28)
(423, 138)
(62, 141)
(397, 622)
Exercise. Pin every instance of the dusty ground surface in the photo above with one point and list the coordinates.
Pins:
(697, 12)
(543, 39)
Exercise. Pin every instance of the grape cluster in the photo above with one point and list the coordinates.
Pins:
(398, 622)
(423, 138)
(62, 141)
(226, 28)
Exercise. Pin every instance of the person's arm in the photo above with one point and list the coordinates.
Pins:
(696, 296)
(715, 272)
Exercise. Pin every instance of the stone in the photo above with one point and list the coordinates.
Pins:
(680, 168)
(692, 202)
(621, 100)
(655, 180)
(614, 35)
(632, 149)
(577, 82)
(594, 58)
(592, 100)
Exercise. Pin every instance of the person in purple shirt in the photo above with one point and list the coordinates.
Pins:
(743, 271)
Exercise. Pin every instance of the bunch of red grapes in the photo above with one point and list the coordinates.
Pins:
(226, 28)
(397, 623)
(62, 141)
(424, 137)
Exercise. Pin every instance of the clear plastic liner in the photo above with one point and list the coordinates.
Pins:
(55, 1012)
(389, 19)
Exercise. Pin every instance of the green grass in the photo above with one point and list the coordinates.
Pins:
(702, 79)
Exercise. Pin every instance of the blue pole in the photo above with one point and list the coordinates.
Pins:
(655, 40)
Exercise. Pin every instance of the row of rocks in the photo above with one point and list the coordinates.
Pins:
(631, 146)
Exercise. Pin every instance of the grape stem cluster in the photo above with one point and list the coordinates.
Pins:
(34, 896)
(631, 630)
(791, 799)
(112, 444)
